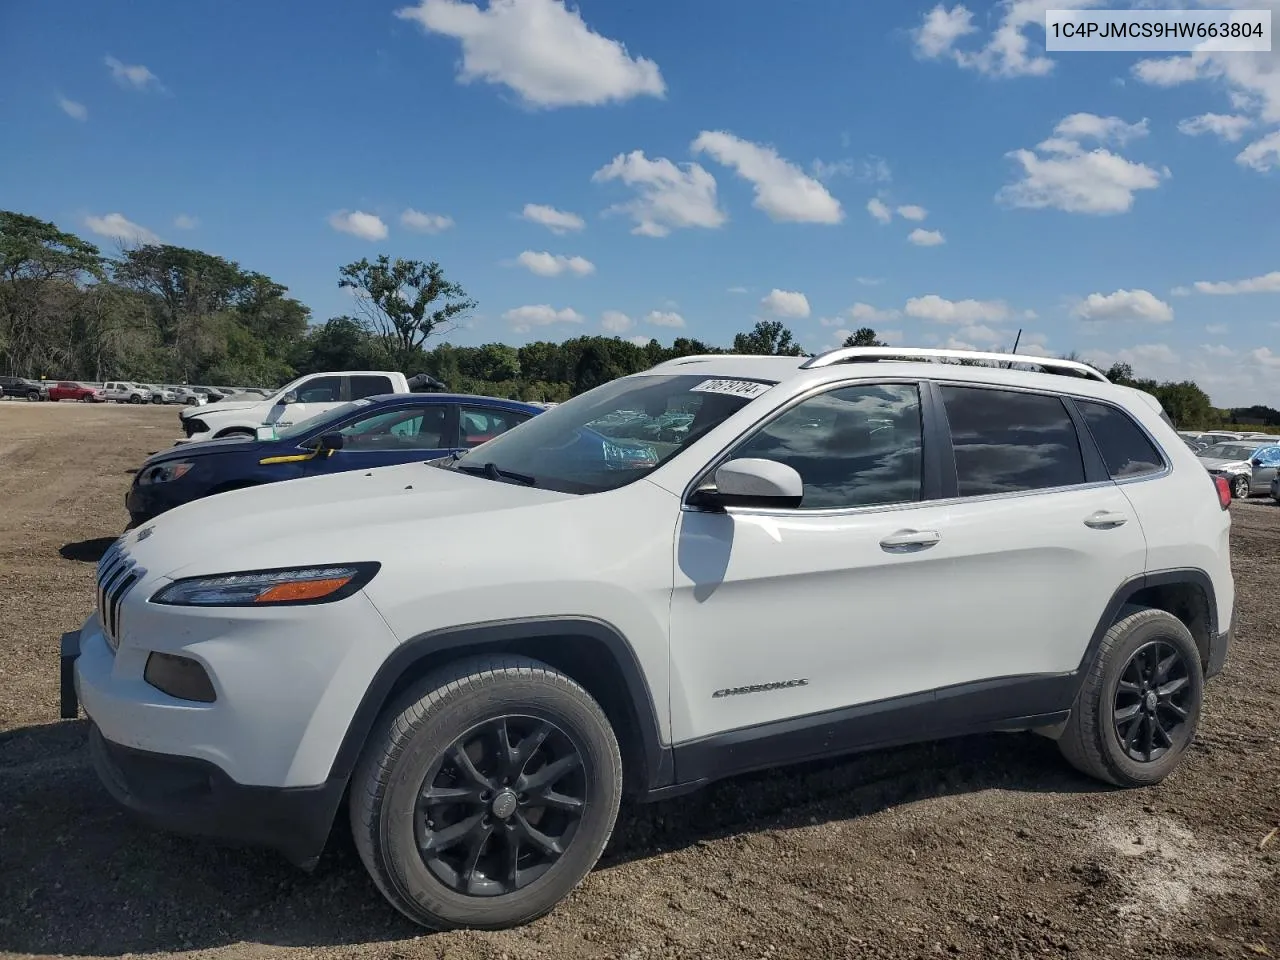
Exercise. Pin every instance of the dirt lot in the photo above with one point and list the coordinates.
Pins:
(981, 847)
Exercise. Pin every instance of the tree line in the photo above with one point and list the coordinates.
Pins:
(169, 314)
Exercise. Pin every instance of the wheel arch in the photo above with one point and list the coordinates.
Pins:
(234, 430)
(590, 651)
(1187, 593)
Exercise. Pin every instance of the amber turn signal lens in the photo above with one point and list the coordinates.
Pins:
(301, 590)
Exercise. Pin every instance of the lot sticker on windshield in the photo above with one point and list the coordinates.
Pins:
(734, 388)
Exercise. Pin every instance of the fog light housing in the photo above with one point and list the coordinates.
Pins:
(179, 677)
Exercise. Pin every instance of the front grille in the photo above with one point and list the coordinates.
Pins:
(194, 425)
(117, 573)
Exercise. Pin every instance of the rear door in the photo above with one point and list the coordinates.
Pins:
(1038, 533)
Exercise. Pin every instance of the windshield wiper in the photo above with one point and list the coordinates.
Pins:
(491, 471)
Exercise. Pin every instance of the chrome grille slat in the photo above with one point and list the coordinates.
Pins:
(117, 573)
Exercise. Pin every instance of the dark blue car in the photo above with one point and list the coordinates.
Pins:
(371, 432)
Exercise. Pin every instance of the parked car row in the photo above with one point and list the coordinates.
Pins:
(720, 565)
(1249, 466)
(123, 391)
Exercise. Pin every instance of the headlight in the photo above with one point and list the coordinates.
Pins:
(281, 587)
(164, 472)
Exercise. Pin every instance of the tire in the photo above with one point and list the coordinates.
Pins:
(1241, 488)
(86, 399)
(411, 746)
(191, 403)
(135, 399)
(33, 396)
(157, 400)
(1091, 741)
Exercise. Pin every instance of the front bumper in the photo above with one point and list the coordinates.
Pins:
(195, 797)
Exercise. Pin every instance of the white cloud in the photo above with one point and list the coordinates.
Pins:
(866, 313)
(786, 303)
(557, 221)
(117, 227)
(74, 110)
(982, 334)
(892, 337)
(1267, 283)
(366, 226)
(664, 318)
(879, 209)
(822, 170)
(1262, 155)
(132, 75)
(1007, 52)
(669, 196)
(1140, 305)
(782, 190)
(926, 238)
(1216, 328)
(912, 212)
(185, 222)
(941, 310)
(1060, 174)
(615, 321)
(1229, 127)
(869, 281)
(1217, 350)
(523, 319)
(640, 340)
(552, 265)
(1180, 292)
(541, 49)
(425, 222)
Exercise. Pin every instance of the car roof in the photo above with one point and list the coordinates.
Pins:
(394, 399)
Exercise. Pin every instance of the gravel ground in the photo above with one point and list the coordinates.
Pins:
(986, 846)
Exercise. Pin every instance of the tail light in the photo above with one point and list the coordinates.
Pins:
(1224, 491)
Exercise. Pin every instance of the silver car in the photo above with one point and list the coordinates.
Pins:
(1247, 465)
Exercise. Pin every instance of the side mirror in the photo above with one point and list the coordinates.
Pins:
(750, 482)
(290, 397)
(330, 442)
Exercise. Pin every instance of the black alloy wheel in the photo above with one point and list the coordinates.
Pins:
(1151, 703)
(500, 806)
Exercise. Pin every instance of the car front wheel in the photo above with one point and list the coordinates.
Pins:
(33, 396)
(486, 793)
(1139, 705)
(1240, 488)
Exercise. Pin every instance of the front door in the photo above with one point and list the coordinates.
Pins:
(314, 396)
(393, 436)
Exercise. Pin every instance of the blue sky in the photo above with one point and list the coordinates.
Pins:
(682, 168)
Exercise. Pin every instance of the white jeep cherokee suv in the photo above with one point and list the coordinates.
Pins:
(722, 564)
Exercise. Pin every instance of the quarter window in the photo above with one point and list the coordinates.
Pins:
(478, 424)
(370, 386)
(1124, 447)
(1006, 441)
(853, 447)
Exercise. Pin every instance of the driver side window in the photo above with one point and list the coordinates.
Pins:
(407, 428)
(321, 390)
(853, 447)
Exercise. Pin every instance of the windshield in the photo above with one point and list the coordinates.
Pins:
(304, 427)
(614, 434)
(1229, 451)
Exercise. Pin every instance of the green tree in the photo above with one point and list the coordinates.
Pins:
(863, 337)
(768, 337)
(407, 301)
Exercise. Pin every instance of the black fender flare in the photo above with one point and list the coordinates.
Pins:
(495, 635)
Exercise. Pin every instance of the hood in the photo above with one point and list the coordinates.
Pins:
(185, 451)
(213, 407)
(336, 518)
(1213, 464)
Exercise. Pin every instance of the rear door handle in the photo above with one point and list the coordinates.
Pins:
(910, 538)
(1105, 519)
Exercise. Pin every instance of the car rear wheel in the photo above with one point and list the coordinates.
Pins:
(1139, 705)
(486, 793)
(1240, 488)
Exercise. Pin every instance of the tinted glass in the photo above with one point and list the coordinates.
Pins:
(1007, 441)
(1229, 451)
(478, 424)
(367, 386)
(854, 447)
(406, 428)
(321, 390)
(1124, 446)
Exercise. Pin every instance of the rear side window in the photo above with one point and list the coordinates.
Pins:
(1124, 446)
(478, 424)
(367, 386)
(1006, 441)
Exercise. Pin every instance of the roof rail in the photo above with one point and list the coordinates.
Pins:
(869, 354)
(700, 357)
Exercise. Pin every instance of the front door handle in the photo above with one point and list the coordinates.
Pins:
(1105, 520)
(910, 538)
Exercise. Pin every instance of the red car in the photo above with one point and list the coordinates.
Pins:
(70, 390)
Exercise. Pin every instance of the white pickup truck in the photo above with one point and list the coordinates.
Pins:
(294, 402)
(126, 391)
